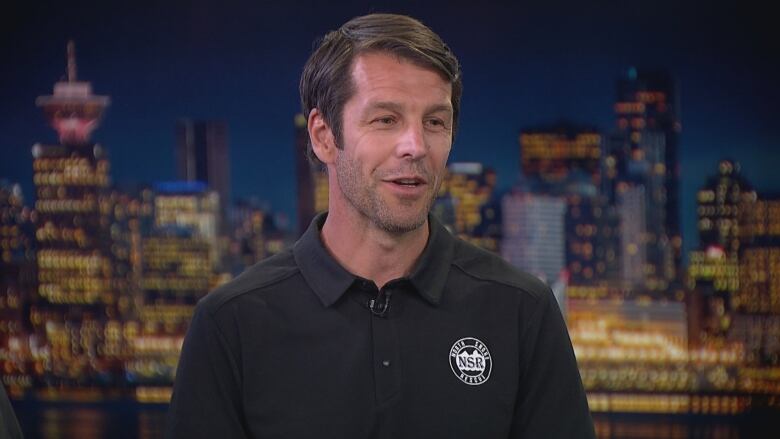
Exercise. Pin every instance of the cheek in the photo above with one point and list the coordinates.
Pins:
(364, 167)
(440, 155)
(373, 162)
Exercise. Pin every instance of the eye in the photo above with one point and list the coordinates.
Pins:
(384, 120)
(436, 123)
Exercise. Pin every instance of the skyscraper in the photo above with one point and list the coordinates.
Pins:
(757, 302)
(564, 160)
(719, 203)
(466, 205)
(631, 209)
(644, 151)
(179, 264)
(76, 295)
(592, 240)
(255, 235)
(713, 270)
(556, 154)
(202, 154)
(190, 205)
(17, 287)
(533, 233)
(311, 178)
(303, 174)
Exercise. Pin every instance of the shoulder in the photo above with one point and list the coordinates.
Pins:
(483, 265)
(265, 275)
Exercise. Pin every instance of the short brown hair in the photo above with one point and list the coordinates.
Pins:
(326, 81)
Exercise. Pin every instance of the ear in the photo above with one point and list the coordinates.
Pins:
(323, 143)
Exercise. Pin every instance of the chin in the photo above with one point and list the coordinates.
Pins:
(401, 225)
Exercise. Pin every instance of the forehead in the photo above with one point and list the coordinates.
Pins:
(378, 74)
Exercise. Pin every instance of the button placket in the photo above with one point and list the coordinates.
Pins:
(386, 349)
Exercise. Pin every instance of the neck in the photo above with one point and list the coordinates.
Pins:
(369, 252)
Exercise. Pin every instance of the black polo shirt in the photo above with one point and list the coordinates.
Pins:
(465, 347)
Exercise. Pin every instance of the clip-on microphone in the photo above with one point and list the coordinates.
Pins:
(380, 308)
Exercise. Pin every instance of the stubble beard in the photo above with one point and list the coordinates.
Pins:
(367, 201)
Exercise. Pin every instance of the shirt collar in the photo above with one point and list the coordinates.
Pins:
(330, 280)
(430, 273)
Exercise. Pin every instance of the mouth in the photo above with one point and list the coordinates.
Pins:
(410, 182)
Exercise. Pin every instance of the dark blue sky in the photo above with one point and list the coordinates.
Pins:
(524, 64)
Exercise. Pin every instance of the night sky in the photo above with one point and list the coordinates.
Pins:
(524, 64)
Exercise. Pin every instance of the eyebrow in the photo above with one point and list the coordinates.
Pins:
(447, 108)
(385, 105)
(396, 107)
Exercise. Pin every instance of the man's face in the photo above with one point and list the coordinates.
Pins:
(397, 134)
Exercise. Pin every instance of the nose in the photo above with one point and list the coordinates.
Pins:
(412, 144)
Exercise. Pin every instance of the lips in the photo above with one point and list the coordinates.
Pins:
(408, 181)
(408, 187)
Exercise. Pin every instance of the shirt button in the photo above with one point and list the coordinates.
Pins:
(386, 363)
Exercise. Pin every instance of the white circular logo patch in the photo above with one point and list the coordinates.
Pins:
(470, 361)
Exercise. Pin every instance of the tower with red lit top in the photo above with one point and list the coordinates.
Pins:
(72, 110)
(75, 311)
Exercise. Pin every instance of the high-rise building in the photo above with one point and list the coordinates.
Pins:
(466, 204)
(132, 220)
(17, 288)
(17, 241)
(202, 154)
(533, 233)
(303, 174)
(255, 235)
(176, 273)
(130, 217)
(76, 295)
(644, 151)
(631, 209)
(190, 205)
(719, 204)
(247, 245)
(556, 154)
(311, 178)
(760, 258)
(592, 240)
(564, 160)
(713, 282)
(180, 262)
(713, 269)
(757, 302)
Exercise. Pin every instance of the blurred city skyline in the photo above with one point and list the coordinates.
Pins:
(524, 66)
(589, 139)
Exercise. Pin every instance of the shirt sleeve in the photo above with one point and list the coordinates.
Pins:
(206, 401)
(551, 401)
(9, 426)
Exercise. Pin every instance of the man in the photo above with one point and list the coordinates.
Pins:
(378, 323)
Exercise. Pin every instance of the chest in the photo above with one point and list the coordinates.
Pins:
(419, 371)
